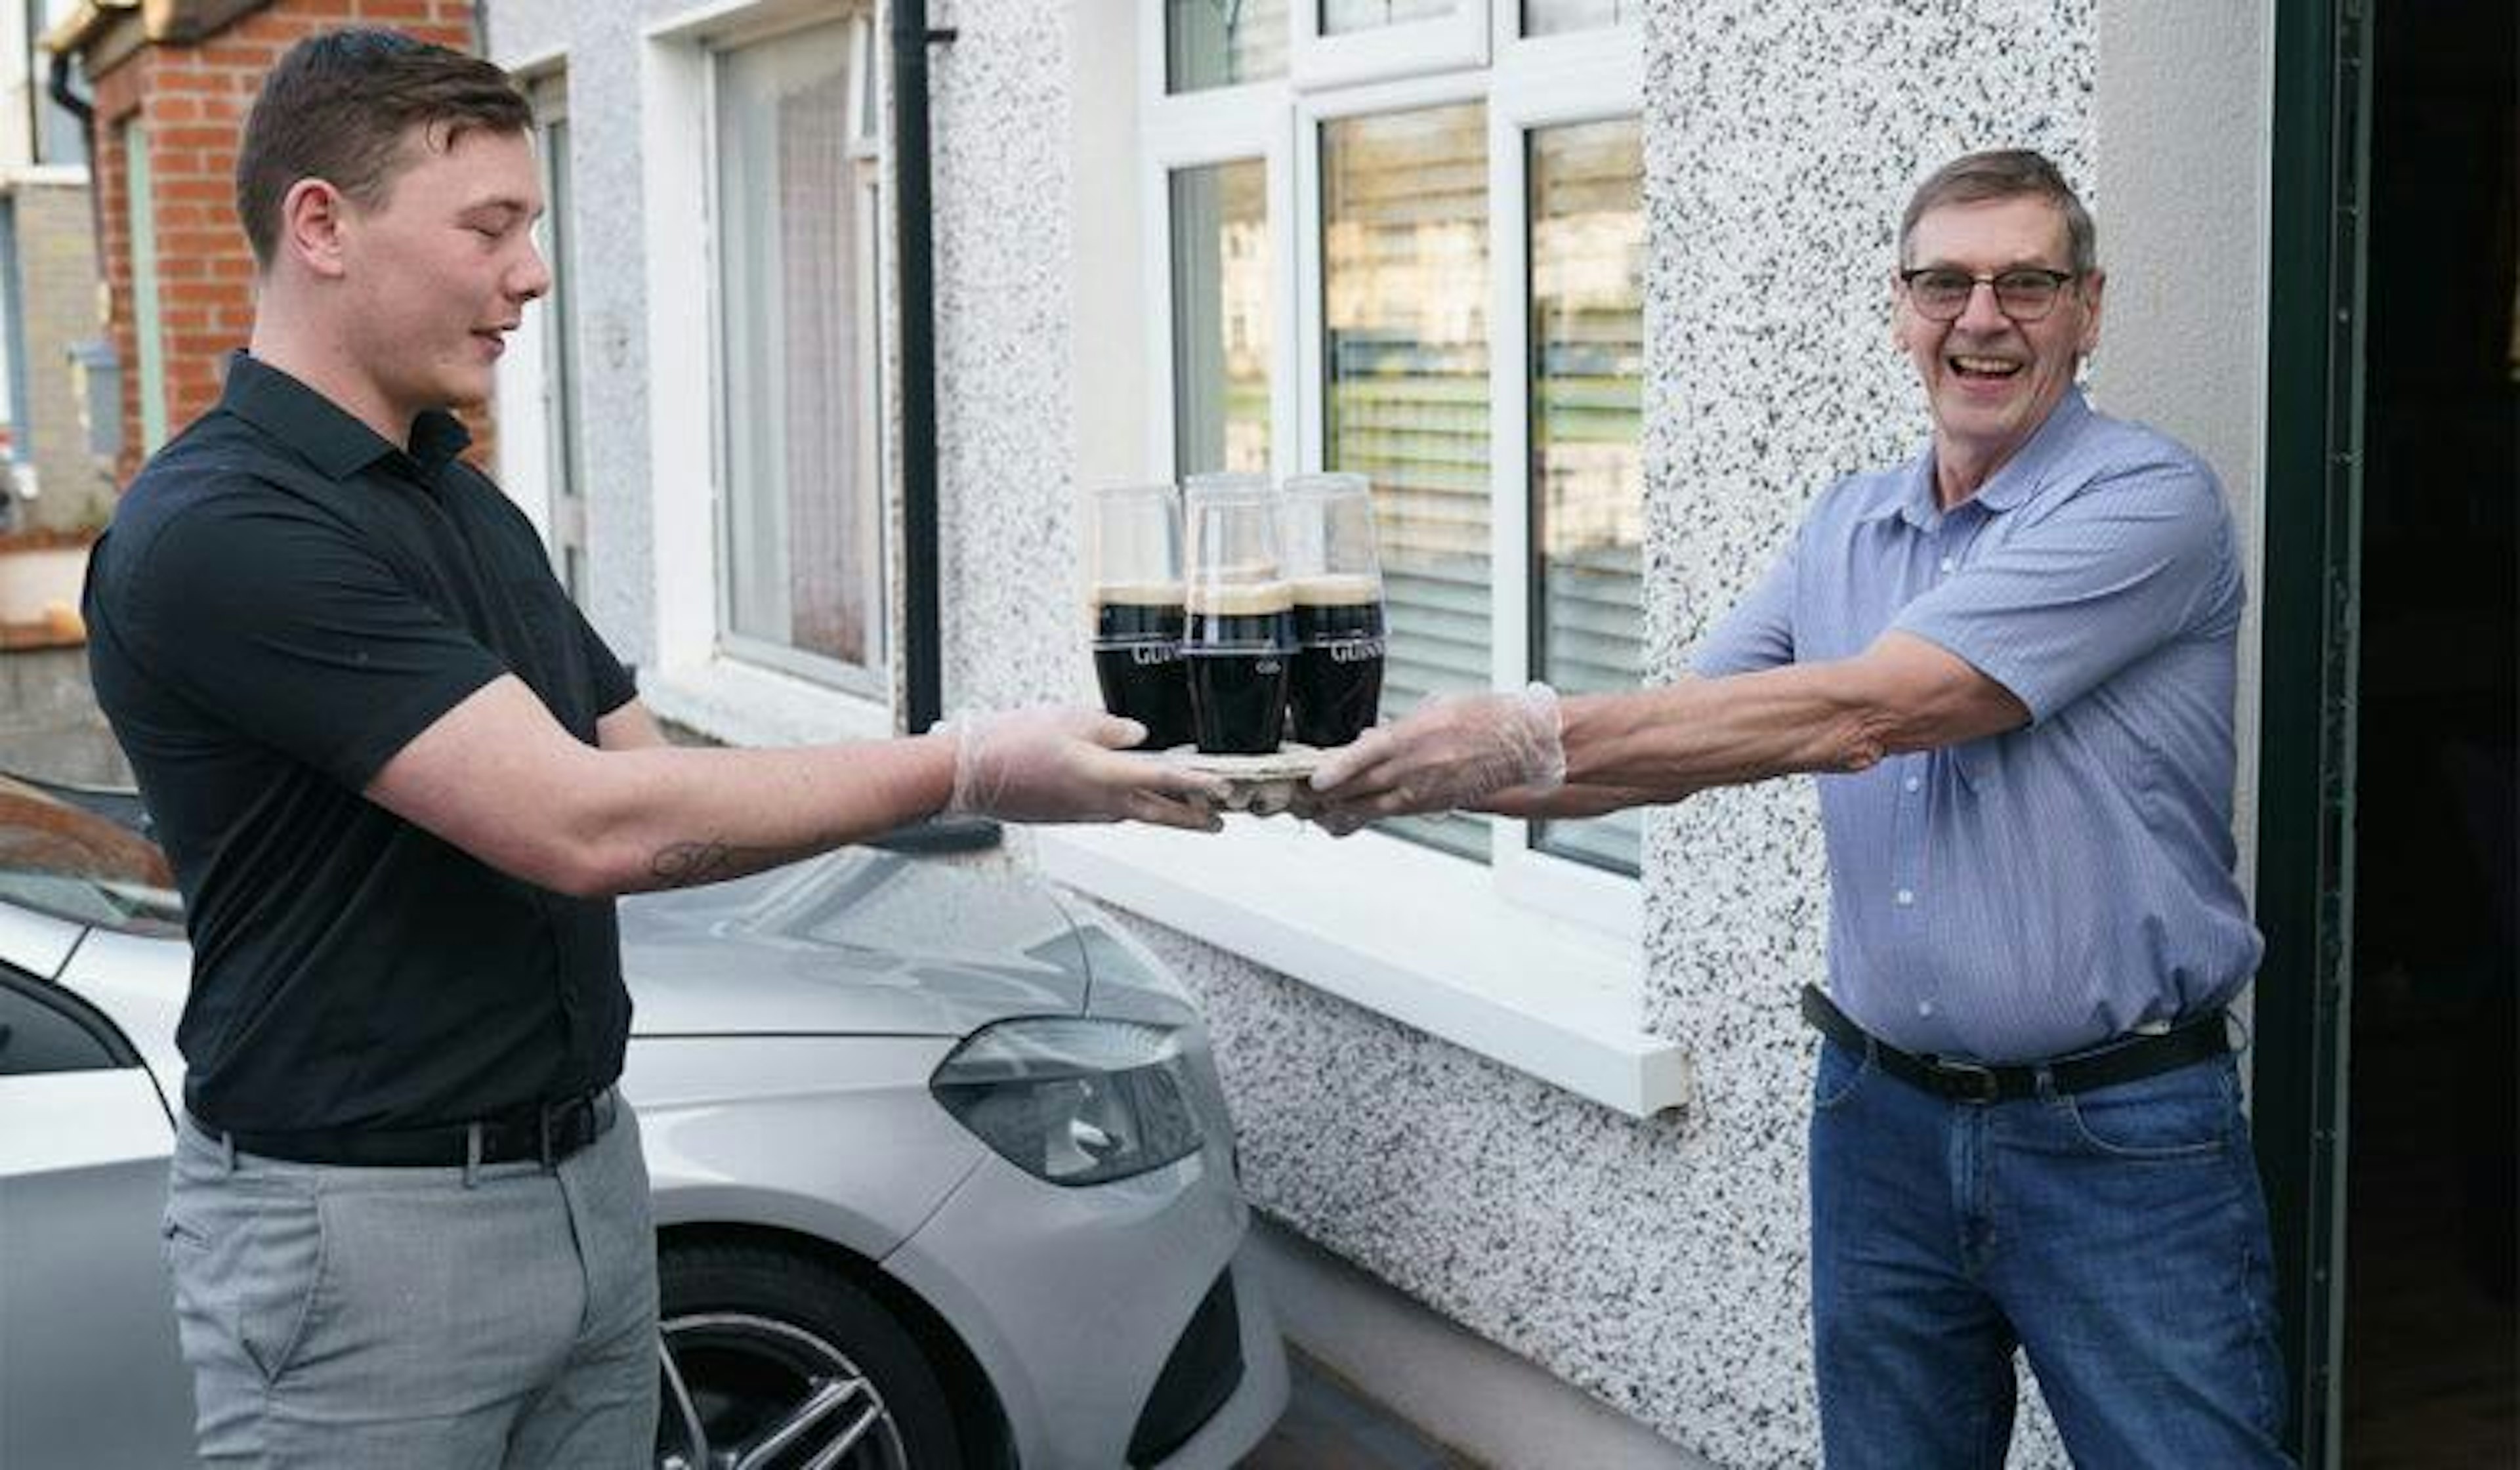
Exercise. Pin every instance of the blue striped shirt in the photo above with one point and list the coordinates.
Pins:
(2040, 891)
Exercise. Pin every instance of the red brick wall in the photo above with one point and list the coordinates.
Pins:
(194, 99)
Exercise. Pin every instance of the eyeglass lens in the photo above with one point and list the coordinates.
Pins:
(2023, 295)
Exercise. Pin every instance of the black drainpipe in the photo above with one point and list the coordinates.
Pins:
(914, 239)
(58, 86)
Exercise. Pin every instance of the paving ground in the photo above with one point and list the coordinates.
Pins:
(1328, 1426)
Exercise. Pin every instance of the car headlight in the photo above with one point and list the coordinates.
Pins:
(1074, 1099)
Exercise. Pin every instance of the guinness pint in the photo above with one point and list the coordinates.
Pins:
(1137, 659)
(1335, 690)
(1237, 648)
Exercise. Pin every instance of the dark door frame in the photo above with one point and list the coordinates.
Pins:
(2311, 586)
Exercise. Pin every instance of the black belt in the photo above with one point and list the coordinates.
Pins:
(2129, 1059)
(547, 1133)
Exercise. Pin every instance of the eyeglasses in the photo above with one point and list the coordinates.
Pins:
(2024, 294)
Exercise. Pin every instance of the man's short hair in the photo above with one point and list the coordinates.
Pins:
(339, 107)
(2003, 174)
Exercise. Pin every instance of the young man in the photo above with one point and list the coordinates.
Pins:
(2011, 662)
(400, 778)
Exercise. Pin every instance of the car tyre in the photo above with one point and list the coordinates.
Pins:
(762, 1344)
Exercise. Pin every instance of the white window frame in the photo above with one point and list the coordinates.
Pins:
(524, 372)
(1532, 959)
(732, 695)
(1583, 83)
(1440, 43)
(1540, 85)
(1234, 126)
(873, 679)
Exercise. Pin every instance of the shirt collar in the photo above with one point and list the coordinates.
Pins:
(332, 438)
(1915, 500)
(1911, 497)
(2023, 475)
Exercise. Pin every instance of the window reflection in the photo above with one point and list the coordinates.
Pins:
(1587, 184)
(1223, 43)
(803, 526)
(1405, 301)
(1550, 18)
(1344, 17)
(1219, 298)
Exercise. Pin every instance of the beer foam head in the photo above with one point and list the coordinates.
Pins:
(1241, 598)
(1137, 595)
(1338, 590)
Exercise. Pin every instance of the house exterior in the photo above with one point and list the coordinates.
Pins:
(1596, 292)
(1599, 307)
(49, 331)
(169, 83)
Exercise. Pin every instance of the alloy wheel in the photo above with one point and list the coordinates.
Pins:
(747, 1391)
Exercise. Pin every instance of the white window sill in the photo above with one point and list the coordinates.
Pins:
(1409, 933)
(746, 705)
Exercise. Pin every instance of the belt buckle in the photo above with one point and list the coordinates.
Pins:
(1972, 1082)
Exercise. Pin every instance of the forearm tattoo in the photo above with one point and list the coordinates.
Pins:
(686, 865)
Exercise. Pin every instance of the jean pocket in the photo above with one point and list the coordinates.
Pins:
(1843, 1073)
(2192, 1112)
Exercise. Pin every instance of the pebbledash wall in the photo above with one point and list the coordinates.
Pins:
(1658, 1264)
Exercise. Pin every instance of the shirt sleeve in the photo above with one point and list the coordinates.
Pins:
(281, 625)
(1758, 632)
(614, 684)
(2127, 565)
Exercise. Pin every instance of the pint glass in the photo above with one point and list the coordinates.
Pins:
(1136, 555)
(1335, 575)
(1241, 629)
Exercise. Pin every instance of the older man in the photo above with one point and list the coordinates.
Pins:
(2010, 662)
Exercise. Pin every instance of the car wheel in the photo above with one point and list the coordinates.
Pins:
(775, 1359)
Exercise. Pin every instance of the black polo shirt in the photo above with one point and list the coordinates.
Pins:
(284, 600)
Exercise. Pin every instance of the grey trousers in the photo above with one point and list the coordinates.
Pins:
(417, 1318)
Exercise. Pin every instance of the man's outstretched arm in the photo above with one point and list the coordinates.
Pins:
(1901, 695)
(498, 777)
(1530, 755)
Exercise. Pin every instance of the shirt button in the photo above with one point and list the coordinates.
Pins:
(1906, 896)
(1914, 783)
(1924, 1008)
(1946, 563)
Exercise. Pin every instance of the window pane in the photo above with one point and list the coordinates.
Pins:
(1588, 237)
(1405, 334)
(1548, 18)
(1220, 222)
(1342, 16)
(805, 562)
(1223, 43)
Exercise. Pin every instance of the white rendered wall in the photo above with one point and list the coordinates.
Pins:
(598, 44)
(2185, 110)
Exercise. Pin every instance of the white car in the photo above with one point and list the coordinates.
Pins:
(943, 1174)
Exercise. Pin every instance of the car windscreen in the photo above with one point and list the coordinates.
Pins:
(74, 865)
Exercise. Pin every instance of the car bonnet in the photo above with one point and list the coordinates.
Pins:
(859, 942)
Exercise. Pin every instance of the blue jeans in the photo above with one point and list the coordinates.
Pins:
(417, 1318)
(2117, 1236)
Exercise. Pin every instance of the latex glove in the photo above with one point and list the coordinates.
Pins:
(1452, 753)
(1056, 763)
